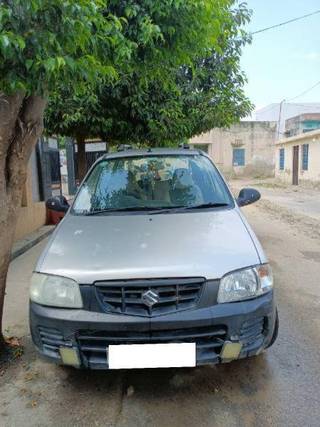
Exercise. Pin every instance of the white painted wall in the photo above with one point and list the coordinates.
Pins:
(312, 175)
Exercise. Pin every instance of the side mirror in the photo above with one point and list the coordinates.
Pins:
(57, 204)
(248, 196)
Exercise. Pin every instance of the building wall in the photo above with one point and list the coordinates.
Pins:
(32, 213)
(302, 123)
(312, 175)
(256, 138)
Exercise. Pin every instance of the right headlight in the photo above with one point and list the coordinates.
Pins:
(245, 284)
(55, 291)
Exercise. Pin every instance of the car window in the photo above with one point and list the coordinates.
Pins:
(152, 182)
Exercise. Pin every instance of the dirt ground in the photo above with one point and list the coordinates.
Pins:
(299, 199)
(279, 388)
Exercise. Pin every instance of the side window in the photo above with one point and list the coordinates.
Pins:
(238, 157)
(305, 156)
(281, 159)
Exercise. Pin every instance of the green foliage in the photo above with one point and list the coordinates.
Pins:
(183, 76)
(46, 43)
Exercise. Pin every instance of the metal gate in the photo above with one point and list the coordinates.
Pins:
(91, 157)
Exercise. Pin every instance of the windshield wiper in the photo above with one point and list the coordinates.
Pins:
(127, 209)
(154, 210)
(173, 209)
(207, 205)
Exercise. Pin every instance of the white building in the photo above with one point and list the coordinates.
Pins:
(298, 158)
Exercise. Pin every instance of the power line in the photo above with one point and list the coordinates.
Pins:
(276, 105)
(286, 22)
(305, 91)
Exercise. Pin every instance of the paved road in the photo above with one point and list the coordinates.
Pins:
(279, 388)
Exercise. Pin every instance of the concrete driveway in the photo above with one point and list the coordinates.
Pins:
(278, 388)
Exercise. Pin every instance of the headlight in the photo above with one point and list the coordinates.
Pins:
(55, 291)
(245, 284)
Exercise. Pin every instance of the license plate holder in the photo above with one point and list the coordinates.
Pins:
(141, 356)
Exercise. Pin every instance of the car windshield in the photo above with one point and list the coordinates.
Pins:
(152, 182)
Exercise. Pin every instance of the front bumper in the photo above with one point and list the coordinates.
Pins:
(249, 322)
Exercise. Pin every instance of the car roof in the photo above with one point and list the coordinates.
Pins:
(152, 152)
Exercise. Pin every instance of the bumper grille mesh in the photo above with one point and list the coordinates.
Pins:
(52, 340)
(209, 341)
(252, 331)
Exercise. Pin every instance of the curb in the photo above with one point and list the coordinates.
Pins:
(30, 243)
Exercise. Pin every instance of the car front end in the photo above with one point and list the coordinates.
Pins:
(187, 311)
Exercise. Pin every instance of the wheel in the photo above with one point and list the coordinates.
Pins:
(275, 331)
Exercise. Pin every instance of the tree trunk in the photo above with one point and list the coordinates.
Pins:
(81, 158)
(21, 124)
(7, 230)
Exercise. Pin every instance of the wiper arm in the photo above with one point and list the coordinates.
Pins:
(127, 209)
(207, 205)
(173, 209)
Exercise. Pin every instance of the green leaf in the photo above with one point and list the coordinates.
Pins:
(4, 41)
(29, 63)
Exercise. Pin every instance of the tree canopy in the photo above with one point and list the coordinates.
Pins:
(45, 44)
(183, 81)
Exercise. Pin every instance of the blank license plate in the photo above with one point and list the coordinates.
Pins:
(137, 356)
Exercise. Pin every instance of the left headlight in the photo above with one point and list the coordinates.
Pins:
(55, 291)
(245, 284)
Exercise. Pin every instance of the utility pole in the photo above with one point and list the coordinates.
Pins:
(279, 120)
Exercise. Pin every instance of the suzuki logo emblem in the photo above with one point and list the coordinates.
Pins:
(150, 298)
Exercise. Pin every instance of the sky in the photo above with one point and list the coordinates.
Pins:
(283, 62)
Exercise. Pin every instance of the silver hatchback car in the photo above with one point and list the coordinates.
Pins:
(154, 265)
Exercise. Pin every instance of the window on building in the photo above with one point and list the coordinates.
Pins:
(238, 157)
(281, 159)
(203, 147)
(305, 156)
(238, 142)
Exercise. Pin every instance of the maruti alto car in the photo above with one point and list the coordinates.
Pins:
(154, 265)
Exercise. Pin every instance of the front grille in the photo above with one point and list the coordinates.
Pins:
(209, 341)
(168, 296)
(52, 340)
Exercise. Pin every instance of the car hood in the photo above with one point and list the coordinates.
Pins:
(107, 247)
